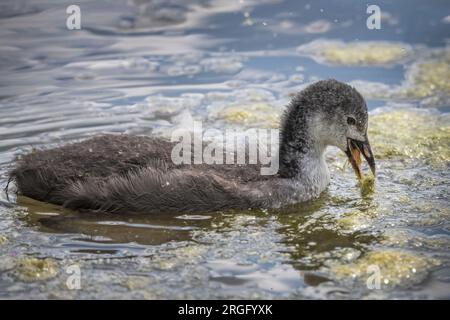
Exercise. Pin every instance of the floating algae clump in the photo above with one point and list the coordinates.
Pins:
(426, 80)
(367, 185)
(369, 53)
(137, 282)
(396, 267)
(411, 134)
(32, 269)
(353, 222)
(3, 240)
(406, 238)
(254, 113)
(357, 220)
(429, 76)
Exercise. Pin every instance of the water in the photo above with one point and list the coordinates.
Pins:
(144, 67)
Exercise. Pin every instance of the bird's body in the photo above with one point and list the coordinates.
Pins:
(136, 174)
(126, 173)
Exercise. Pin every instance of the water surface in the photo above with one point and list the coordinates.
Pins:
(147, 67)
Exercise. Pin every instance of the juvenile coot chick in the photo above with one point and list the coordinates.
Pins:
(135, 174)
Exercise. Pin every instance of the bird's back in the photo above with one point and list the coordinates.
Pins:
(78, 175)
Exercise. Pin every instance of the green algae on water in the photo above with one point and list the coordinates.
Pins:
(364, 53)
(426, 81)
(367, 185)
(429, 76)
(260, 113)
(411, 134)
(3, 240)
(34, 269)
(396, 267)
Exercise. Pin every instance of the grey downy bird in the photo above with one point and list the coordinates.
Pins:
(135, 174)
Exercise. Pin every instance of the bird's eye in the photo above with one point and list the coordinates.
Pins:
(351, 121)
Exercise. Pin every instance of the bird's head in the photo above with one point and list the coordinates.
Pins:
(336, 115)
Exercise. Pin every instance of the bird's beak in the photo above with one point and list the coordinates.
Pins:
(353, 152)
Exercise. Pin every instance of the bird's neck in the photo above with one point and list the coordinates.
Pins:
(301, 155)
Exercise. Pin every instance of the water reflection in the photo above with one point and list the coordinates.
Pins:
(104, 228)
